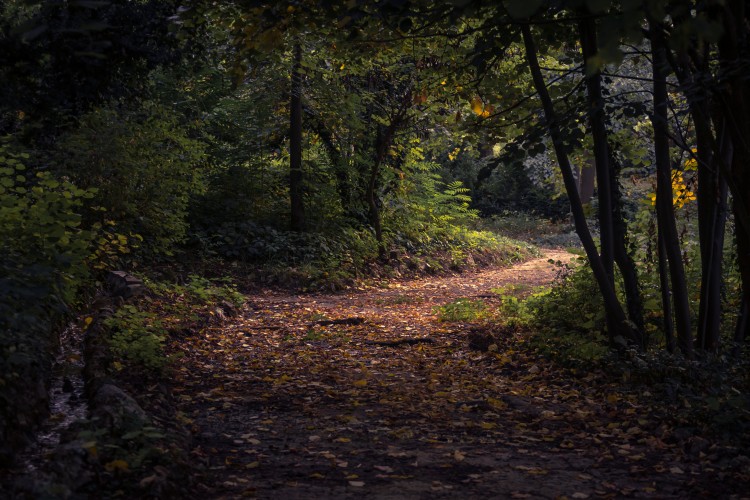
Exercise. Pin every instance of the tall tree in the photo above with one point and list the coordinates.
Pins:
(621, 332)
(664, 206)
(297, 222)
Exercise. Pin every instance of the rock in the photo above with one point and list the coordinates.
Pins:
(124, 285)
(115, 408)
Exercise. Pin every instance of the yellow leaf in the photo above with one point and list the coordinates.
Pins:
(477, 106)
(252, 465)
(115, 465)
(488, 425)
(496, 403)
(360, 383)
(342, 440)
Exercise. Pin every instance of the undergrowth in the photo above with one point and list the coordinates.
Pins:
(462, 310)
(565, 322)
(138, 331)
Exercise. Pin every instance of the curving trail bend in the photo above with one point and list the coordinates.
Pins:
(313, 396)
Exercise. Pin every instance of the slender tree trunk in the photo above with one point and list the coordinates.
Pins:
(711, 154)
(587, 32)
(735, 100)
(611, 222)
(295, 144)
(344, 186)
(712, 210)
(664, 205)
(625, 262)
(666, 296)
(622, 332)
(373, 209)
(586, 181)
(382, 145)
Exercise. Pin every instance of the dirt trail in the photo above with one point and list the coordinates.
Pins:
(287, 403)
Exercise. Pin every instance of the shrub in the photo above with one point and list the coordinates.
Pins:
(137, 338)
(566, 319)
(144, 167)
(43, 250)
(462, 310)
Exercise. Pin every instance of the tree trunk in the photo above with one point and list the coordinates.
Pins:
(691, 69)
(625, 262)
(735, 99)
(296, 179)
(586, 181)
(622, 332)
(666, 297)
(612, 224)
(587, 32)
(712, 210)
(382, 145)
(664, 205)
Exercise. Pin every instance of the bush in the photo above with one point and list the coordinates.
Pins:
(43, 250)
(136, 338)
(566, 320)
(144, 166)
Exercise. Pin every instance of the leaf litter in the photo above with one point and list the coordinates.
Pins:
(314, 395)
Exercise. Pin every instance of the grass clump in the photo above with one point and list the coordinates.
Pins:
(462, 310)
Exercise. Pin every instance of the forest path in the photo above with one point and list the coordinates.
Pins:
(287, 403)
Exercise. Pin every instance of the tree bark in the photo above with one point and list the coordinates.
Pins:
(712, 213)
(372, 202)
(611, 222)
(296, 178)
(623, 258)
(622, 332)
(586, 181)
(666, 296)
(735, 100)
(664, 204)
(587, 32)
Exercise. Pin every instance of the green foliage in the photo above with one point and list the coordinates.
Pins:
(144, 167)
(43, 263)
(462, 310)
(137, 338)
(566, 320)
(422, 211)
(511, 187)
(43, 250)
(206, 292)
(199, 290)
